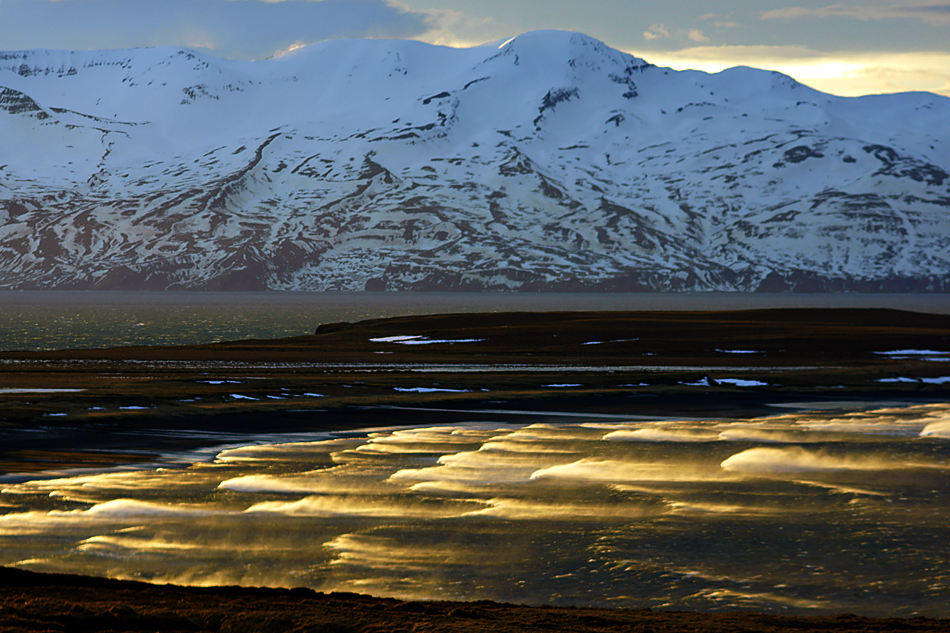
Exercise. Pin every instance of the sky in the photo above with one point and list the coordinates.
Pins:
(848, 48)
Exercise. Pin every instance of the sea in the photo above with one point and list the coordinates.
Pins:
(824, 506)
(44, 320)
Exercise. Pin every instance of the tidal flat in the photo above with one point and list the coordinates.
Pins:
(790, 461)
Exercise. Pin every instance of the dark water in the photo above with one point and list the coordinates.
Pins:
(837, 511)
(64, 320)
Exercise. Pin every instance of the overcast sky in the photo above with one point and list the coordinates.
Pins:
(849, 48)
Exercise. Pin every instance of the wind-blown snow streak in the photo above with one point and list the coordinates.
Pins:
(702, 514)
(550, 163)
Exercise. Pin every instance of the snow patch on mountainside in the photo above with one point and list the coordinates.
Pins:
(547, 162)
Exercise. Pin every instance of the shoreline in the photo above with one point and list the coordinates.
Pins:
(31, 601)
(48, 320)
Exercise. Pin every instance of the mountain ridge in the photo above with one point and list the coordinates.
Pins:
(546, 162)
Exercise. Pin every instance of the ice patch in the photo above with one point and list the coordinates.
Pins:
(394, 339)
(741, 382)
(880, 425)
(699, 507)
(476, 468)
(263, 483)
(937, 429)
(661, 435)
(326, 506)
(430, 390)
(616, 471)
(794, 460)
(936, 381)
(133, 509)
(30, 390)
(99, 544)
(562, 385)
(766, 436)
(913, 352)
(618, 340)
(738, 351)
(365, 551)
(422, 340)
(520, 509)
(447, 340)
(308, 450)
(237, 396)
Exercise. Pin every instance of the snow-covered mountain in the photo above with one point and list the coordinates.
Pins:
(549, 161)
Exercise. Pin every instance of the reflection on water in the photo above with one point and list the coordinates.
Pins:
(839, 511)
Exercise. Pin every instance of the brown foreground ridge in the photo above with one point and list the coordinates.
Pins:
(31, 602)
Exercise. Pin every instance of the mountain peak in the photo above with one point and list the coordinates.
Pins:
(549, 161)
(574, 48)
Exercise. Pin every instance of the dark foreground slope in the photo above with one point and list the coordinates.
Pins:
(52, 602)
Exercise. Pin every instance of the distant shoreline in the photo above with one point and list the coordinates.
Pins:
(66, 319)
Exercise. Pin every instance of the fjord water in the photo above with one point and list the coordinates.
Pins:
(826, 511)
(38, 320)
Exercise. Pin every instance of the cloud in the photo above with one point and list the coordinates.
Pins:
(933, 13)
(840, 73)
(454, 28)
(657, 31)
(244, 29)
(696, 35)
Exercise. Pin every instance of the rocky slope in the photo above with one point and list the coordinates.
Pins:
(547, 162)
